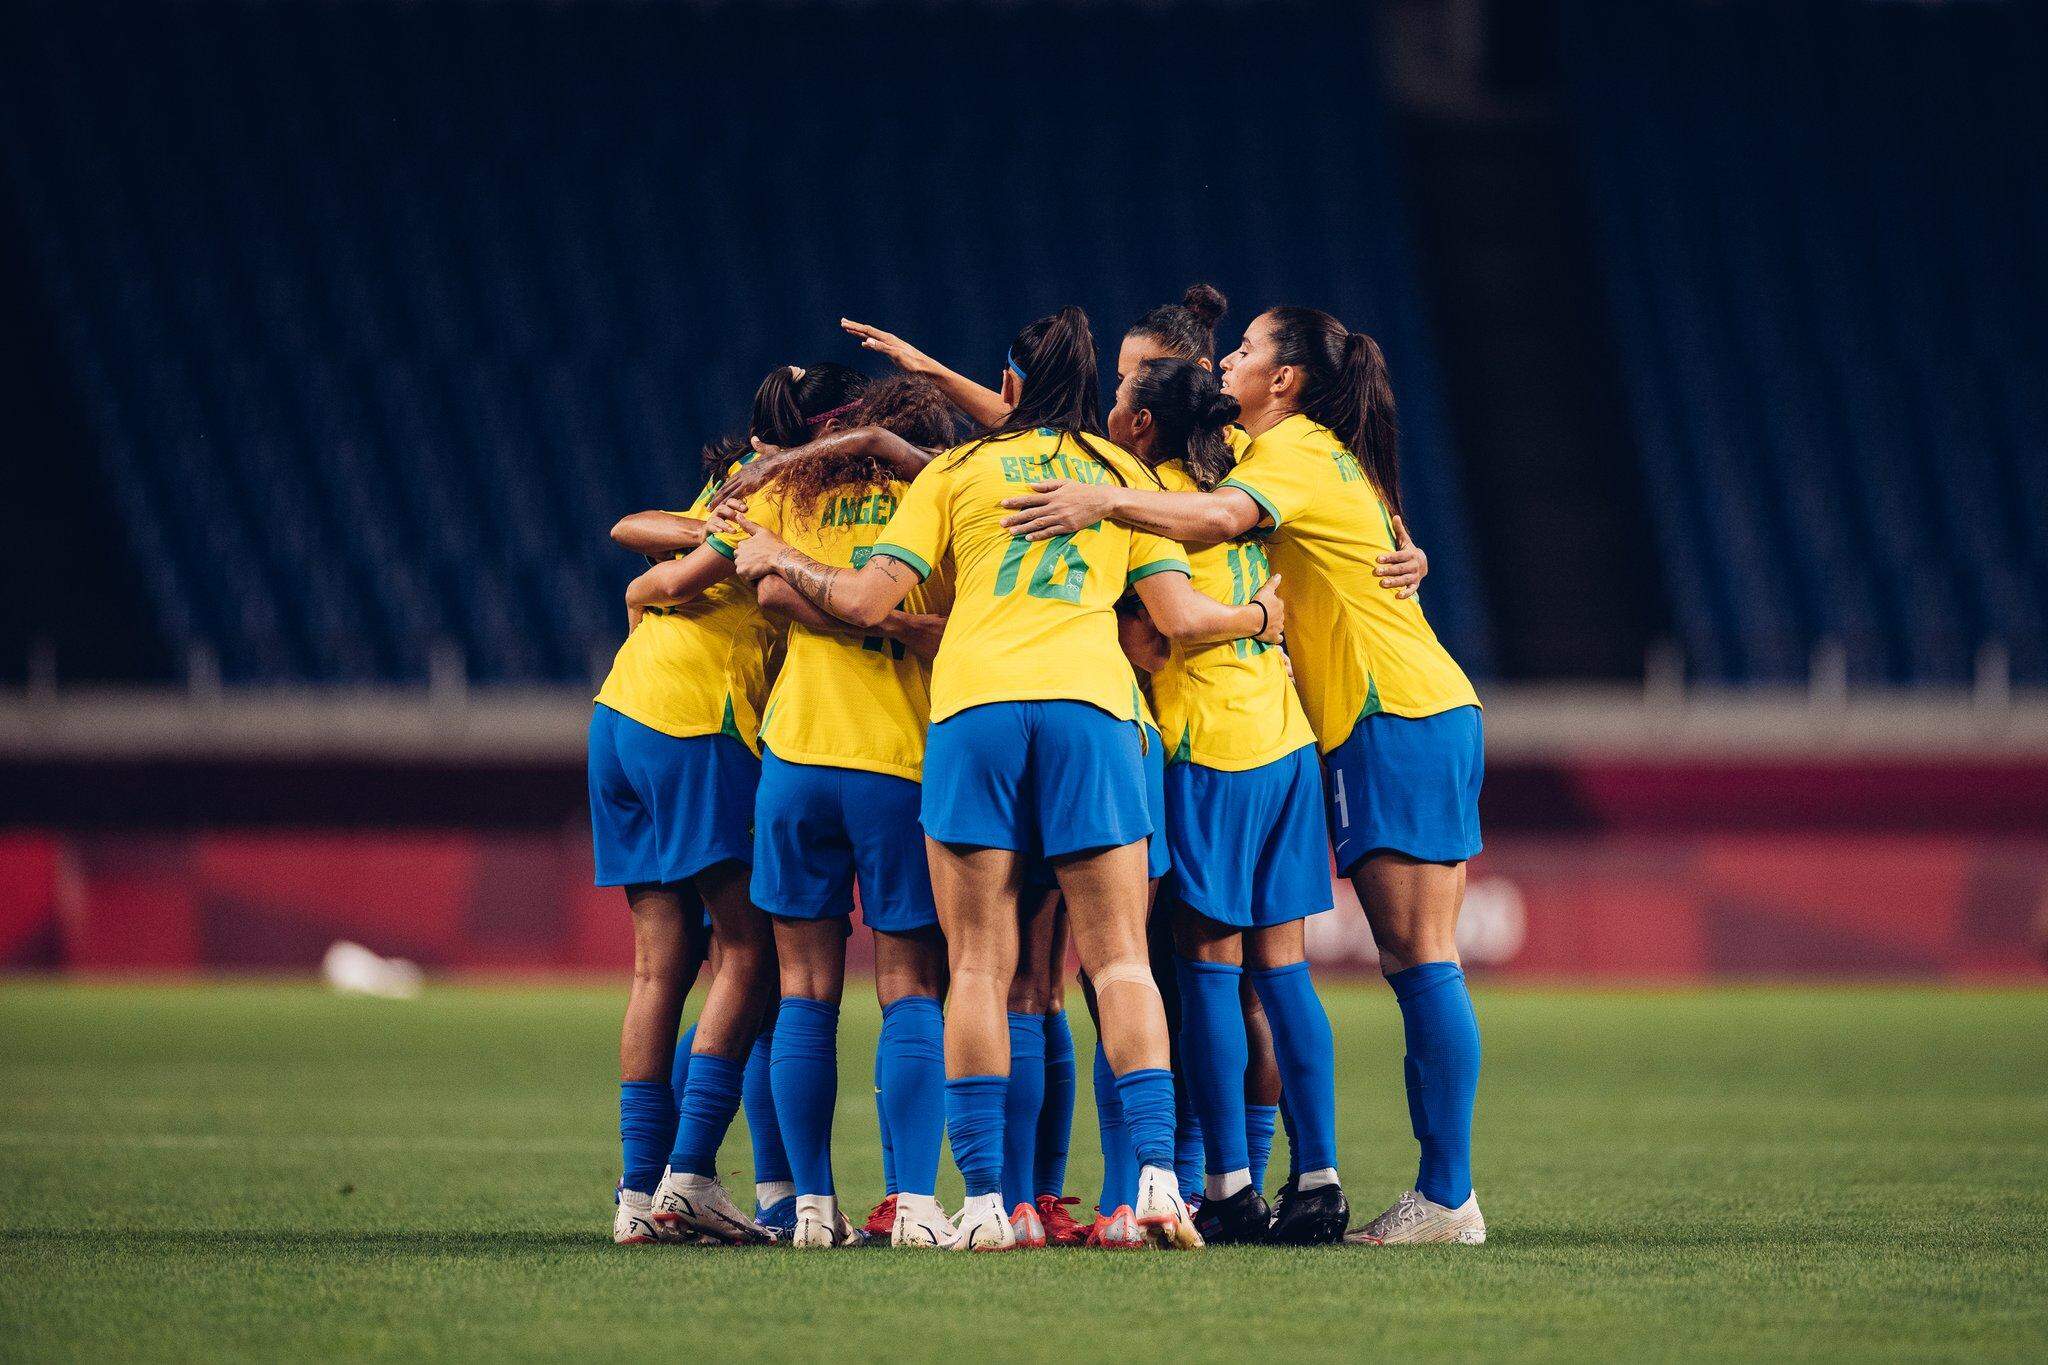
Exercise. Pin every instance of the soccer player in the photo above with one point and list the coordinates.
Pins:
(1244, 816)
(673, 770)
(1396, 719)
(1034, 747)
(842, 746)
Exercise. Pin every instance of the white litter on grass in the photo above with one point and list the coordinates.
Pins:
(352, 969)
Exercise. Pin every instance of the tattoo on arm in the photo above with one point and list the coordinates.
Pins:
(809, 577)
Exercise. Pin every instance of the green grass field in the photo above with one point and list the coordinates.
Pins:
(267, 1171)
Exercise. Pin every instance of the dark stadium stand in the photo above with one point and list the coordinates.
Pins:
(1825, 239)
(379, 313)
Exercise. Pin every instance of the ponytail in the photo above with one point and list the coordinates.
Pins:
(1186, 329)
(1059, 387)
(778, 417)
(1346, 388)
(1189, 412)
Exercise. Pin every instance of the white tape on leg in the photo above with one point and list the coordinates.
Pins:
(1131, 972)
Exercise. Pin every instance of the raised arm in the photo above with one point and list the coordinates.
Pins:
(1056, 507)
(865, 596)
(899, 456)
(1182, 613)
(658, 535)
(984, 405)
(679, 580)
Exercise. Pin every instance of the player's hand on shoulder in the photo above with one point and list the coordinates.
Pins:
(1056, 507)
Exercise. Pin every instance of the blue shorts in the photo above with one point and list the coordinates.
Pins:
(663, 809)
(1046, 778)
(819, 829)
(1407, 786)
(1159, 856)
(1248, 846)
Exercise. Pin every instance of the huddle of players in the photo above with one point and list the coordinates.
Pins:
(870, 655)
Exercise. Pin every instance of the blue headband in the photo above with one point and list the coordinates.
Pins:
(1015, 368)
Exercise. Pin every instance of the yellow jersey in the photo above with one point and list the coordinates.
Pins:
(844, 700)
(1228, 706)
(1357, 649)
(699, 667)
(1031, 620)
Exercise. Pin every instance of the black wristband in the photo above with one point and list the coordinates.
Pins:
(1264, 619)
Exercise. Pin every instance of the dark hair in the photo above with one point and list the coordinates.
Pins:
(787, 406)
(909, 405)
(1347, 390)
(1186, 329)
(1189, 411)
(1060, 389)
(914, 408)
(790, 402)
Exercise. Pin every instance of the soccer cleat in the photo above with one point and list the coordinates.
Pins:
(1030, 1229)
(918, 1221)
(1116, 1231)
(1415, 1220)
(1310, 1218)
(1243, 1217)
(820, 1224)
(685, 1203)
(778, 1219)
(982, 1226)
(1162, 1214)
(1060, 1228)
(633, 1223)
(881, 1219)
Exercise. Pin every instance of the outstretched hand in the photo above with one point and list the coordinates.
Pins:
(1058, 507)
(889, 346)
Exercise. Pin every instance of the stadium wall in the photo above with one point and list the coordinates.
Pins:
(1619, 847)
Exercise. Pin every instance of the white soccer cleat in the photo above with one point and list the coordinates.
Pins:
(685, 1203)
(820, 1225)
(1415, 1220)
(1162, 1214)
(982, 1226)
(633, 1223)
(920, 1222)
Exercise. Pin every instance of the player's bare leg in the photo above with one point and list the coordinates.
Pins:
(669, 946)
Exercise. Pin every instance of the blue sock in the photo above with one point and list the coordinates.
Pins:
(882, 1112)
(1026, 1098)
(647, 1127)
(1214, 1053)
(1056, 1116)
(1258, 1139)
(1148, 1114)
(1308, 1064)
(709, 1102)
(1442, 1071)
(974, 1125)
(771, 1158)
(679, 1070)
(1187, 1140)
(1119, 1167)
(1293, 1139)
(806, 1076)
(910, 1061)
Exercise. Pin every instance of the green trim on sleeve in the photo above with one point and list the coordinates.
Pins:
(916, 562)
(720, 544)
(1265, 504)
(1159, 566)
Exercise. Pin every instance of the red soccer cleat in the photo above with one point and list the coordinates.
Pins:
(882, 1221)
(1117, 1231)
(1060, 1228)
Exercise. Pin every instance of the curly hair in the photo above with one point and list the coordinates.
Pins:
(908, 405)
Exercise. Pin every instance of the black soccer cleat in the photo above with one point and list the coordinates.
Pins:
(1310, 1218)
(1244, 1217)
